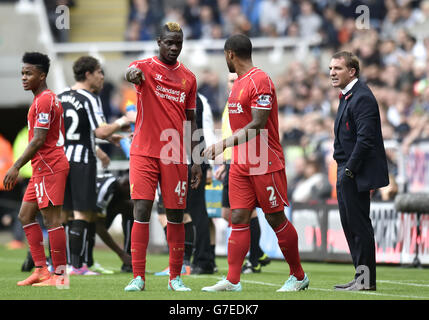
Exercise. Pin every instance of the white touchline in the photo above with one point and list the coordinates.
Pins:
(407, 283)
(328, 290)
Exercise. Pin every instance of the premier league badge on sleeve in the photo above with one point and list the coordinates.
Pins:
(43, 118)
(264, 100)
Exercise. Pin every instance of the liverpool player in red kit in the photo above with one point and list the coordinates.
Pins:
(257, 174)
(166, 99)
(45, 191)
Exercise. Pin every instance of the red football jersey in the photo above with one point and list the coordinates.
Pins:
(46, 112)
(162, 100)
(263, 153)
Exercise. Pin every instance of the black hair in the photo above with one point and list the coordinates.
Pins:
(170, 27)
(84, 64)
(40, 60)
(240, 44)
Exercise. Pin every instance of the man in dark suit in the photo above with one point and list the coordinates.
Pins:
(362, 165)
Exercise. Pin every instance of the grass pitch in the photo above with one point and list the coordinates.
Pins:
(393, 282)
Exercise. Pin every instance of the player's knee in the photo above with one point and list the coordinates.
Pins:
(275, 219)
(51, 221)
(24, 218)
(226, 213)
(142, 210)
(174, 215)
(240, 216)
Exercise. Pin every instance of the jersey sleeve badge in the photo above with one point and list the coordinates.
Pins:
(43, 118)
(264, 100)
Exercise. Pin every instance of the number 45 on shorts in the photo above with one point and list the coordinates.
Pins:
(181, 191)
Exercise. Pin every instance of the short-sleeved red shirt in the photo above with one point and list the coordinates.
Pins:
(162, 100)
(263, 153)
(46, 113)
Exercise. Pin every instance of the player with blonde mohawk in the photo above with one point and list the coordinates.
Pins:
(166, 98)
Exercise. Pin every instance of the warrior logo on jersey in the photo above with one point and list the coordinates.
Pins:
(264, 100)
(43, 118)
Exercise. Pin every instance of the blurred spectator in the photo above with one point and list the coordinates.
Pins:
(251, 14)
(328, 30)
(274, 17)
(191, 15)
(207, 22)
(308, 21)
(392, 23)
(211, 88)
(314, 185)
(144, 19)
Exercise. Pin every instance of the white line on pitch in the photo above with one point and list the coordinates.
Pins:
(404, 283)
(329, 290)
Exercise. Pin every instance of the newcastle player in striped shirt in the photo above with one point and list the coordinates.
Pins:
(84, 121)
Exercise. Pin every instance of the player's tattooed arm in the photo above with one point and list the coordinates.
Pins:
(134, 75)
(251, 130)
(35, 144)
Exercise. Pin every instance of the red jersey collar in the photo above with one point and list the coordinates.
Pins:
(168, 66)
(41, 93)
(247, 73)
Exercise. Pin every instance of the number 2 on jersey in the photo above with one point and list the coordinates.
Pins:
(71, 132)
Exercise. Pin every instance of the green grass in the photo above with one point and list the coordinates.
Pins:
(393, 282)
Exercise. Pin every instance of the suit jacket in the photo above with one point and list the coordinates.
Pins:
(358, 143)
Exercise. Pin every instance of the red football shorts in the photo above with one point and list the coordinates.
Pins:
(268, 191)
(146, 172)
(47, 189)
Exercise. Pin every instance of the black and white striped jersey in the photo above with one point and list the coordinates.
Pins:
(83, 113)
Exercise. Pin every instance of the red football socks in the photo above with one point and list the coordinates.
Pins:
(139, 242)
(238, 246)
(57, 241)
(288, 242)
(34, 235)
(176, 245)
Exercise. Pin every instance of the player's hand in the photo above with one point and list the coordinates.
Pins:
(10, 178)
(196, 175)
(220, 172)
(214, 150)
(115, 139)
(131, 116)
(124, 122)
(135, 76)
